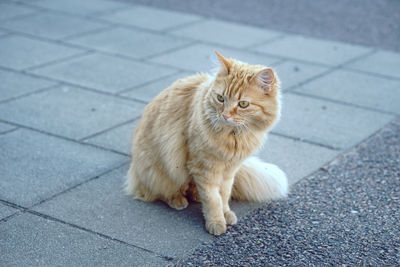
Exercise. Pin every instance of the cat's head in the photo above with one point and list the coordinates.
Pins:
(243, 96)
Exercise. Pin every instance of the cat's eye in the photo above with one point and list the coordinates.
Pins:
(243, 104)
(220, 98)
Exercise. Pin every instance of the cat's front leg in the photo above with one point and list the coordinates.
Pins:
(226, 189)
(212, 207)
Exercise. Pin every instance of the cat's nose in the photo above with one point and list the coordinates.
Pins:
(226, 117)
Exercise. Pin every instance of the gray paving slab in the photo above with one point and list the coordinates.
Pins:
(6, 211)
(130, 42)
(225, 33)
(103, 72)
(19, 52)
(154, 226)
(357, 88)
(118, 139)
(87, 7)
(16, 84)
(3, 32)
(328, 123)
(10, 10)
(150, 18)
(297, 159)
(382, 62)
(34, 166)
(292, 73)
(313, 50)
(149, 91)
(29, 240)
(51, 25)
(4, 127)
(70, 111)
(201, 57)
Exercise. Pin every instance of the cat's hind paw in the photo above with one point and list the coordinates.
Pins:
(179, 202)
(216, 227)
(230, 217)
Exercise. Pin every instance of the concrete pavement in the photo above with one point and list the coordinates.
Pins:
(75, 77)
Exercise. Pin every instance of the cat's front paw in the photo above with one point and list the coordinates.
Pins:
(216, 227)
(230, 217)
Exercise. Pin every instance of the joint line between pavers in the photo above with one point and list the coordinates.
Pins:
(89, 17)
(79, 184)
(40, 90)
(148, 82)
(54, 219)
(48, 217)
(45, 39)
(379, 75)
(184, 25)
(327, 72)
(346, 151)
(305, 141)
(191, 43)
(60, 60)
(66, 83)
(39, 10)
(108, 129)
(272, 40)
(342, 102)
(9, 131)
(64, 137)
(80, 34)
(364, 55)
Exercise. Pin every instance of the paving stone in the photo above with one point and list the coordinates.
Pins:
(102, 72)
(149, 91)
(4, 127)
(6, 211)
(129, 42)
(292, 73)
(29, 240)
(10, 10)
(70, 111)
(356, 88)
(19, 52)
(297, 159)
(154, 226)
(51, 25)
(328, 123)
(34, 166)
(313, 50)
(225, 33)
(202, 58)
(17, 84)
(87, 7)
(118, 139)
(382, 62)
(3, 32)
(150, 18)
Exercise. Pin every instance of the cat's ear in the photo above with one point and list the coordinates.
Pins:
(265, 79)
(225, 65)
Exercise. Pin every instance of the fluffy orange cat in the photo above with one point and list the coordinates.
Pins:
(196, 137)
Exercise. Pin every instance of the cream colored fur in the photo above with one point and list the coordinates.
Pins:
(194, 138)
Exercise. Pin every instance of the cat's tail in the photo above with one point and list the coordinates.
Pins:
(257, 181)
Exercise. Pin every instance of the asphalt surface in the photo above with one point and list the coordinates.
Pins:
(365, 22)
(347, 213)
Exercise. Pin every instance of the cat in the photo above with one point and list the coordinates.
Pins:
(195, 139)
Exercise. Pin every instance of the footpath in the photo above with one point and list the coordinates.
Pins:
(74, 79)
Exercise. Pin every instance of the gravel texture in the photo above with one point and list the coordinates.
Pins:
(347, 213)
